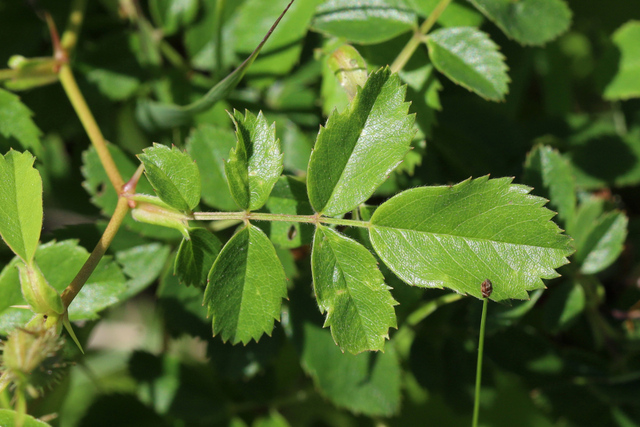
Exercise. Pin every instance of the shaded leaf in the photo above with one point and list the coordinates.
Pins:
(155, 115)
(255, 164)
(565, 302)
(550, 174)
(367, 383)
(529, 22)
(60, 262)
(105, 197)
(471, 59)
(282, 52)
(599, 237)
(142, 265)
(365, 21)
(625, 83)
(196, 256)
(246, 287)
(15, 122)
(358, 148)
(173, 14)
(351, 290)
(174, 176)
(458, 236)
(457, 14)
(289, 197)
(20, 203)
(211, 146)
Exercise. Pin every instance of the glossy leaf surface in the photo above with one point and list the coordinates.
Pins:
(471, 59)
(59, 262)
(246, 287)
(550, 174)
(458, 236)
(16, 123)
(255, 164)
(529, 22)
(174, 176)
(358, 148)
(351, 290)
(196, 256)
(20, 203)
(625, 83)
(366, 22)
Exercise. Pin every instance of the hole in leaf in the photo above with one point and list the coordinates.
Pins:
(292, 232)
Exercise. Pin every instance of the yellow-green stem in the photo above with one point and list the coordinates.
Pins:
(91, 127)
(98, 252)
(70, 35)
(476, 403)
(418, 37)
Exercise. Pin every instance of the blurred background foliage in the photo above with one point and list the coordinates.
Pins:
(569, 126)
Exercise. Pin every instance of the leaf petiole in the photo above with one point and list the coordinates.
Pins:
(261, 216)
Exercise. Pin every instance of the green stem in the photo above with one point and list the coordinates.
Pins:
(90, 126)
(70, 35)
(217, 41)
(476, 403)
(98, 252)
(260, 216)
(418, 37)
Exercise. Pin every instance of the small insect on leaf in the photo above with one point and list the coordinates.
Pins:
(486, 288)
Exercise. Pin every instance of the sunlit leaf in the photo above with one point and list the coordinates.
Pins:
(625, 83)
(529, 22)
(471, 59)
(246, 287)
(20, 203)
(358, 148)
(255, 164)
(16, 123)
(365, 21)
(458, 236)
(174, 176)
(351, 290)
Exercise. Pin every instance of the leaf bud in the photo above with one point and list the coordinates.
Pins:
(38, 293)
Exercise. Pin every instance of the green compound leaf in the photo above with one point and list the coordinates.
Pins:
(196, 256)
(246, 287)
(367, 383)
(471, 59)
(529, 22)
(364, 21)
(20, 203)
(625, 83)
(255, 164)
(351, 290)
(59, 263)
(358, 148)
(599, 236)
(458, 236)
(551, 177)
(174, 176)
(211, 146)
(15, 122)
